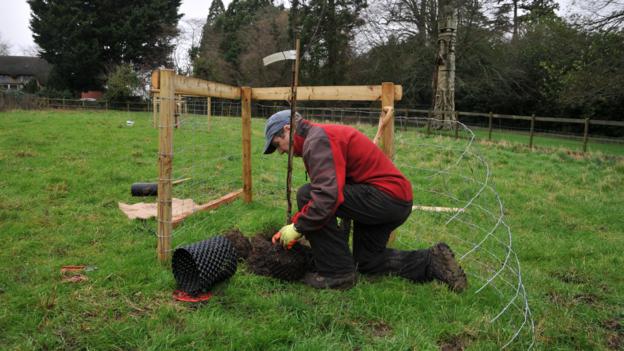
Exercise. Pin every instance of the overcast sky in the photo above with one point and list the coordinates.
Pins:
(15, 16)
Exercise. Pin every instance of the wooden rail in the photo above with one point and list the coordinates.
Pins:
(327, 93)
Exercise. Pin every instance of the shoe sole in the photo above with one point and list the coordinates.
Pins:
(454, 275)
(313, 282)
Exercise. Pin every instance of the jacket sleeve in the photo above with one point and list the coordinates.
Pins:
(326, 171)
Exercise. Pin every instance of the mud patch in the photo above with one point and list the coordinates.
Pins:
(570, 301)
(25, 153)
(454, 343)
(379, 329)
(615, 334)
(586, 298)
(275, 261)
(571, 277)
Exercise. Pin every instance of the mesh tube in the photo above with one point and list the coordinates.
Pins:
(198, 267)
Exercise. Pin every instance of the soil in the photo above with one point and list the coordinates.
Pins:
(275, 261)
(264, 258)
(456, 342)
(571, 277)
(240, 242)
(615, 334)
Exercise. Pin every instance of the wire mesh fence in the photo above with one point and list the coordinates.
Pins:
(446, 173)
(577, 129)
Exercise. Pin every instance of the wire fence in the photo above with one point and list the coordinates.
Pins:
(584, 130)
(444, 172)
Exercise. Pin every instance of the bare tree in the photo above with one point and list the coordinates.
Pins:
(186, 44)
(602, 14)
(32, 50)
(263, 37)
(5, 47)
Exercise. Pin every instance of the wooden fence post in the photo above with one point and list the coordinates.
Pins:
(209, 109)
(490, 126)
(165, 163)
(429, 122)
(387, 138)
(532, 130)
(127, 107)
(246, 120)
(456, 125)
(154, 111)
(585, 134)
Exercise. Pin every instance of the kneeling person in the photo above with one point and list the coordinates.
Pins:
(352, 179)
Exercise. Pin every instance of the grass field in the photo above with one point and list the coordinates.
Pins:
(63, 173)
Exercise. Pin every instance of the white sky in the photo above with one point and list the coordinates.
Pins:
(15, 16)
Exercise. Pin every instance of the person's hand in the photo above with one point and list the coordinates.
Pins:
(288, 236)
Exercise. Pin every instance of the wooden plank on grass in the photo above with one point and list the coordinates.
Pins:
(437, 209)
(225, 199)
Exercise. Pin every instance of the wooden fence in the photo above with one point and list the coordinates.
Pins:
(342, 115)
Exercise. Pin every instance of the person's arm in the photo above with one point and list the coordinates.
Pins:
(326, 170)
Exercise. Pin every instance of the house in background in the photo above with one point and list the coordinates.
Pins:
(16, 71)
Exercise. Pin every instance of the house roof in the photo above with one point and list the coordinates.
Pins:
(25, 66)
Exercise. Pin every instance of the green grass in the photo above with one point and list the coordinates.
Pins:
(64, 172)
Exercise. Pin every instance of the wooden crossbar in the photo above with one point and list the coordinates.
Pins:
(326, 93)
(208, 206)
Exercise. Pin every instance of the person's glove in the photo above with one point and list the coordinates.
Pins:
(288, 236)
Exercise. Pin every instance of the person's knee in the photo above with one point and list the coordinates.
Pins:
(303, 195)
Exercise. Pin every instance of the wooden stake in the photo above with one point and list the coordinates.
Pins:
(154, 111)
(293, 111)
(165, 162)
(387, 100)
(384, 120)
(387, 136)
(429, 123)
(490, 126)
(209, 109)
(246, 120)
(585, 134)
(532, 130)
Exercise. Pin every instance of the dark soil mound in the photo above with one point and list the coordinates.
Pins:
(275, 261)
(240, 242)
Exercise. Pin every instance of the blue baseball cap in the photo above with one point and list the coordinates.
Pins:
(273, 126)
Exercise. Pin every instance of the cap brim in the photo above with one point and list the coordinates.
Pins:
(268, 147)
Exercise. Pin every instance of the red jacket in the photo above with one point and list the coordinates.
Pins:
(335, 155)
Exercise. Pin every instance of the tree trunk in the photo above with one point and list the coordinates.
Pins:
(444, 79)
